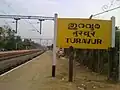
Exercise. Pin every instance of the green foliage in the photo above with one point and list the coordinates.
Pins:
(9, 41)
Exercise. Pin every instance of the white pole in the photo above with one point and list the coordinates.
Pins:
(113, 31)
(119, 60)
(113, 42)
(54, 46)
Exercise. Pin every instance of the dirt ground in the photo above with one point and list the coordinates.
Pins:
(84, 79)
(36, 75)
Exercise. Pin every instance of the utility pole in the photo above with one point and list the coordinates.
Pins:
(40, 23)
(16, 19)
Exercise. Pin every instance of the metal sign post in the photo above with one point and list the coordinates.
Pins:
(54, 46)
(16, 19)
(119, 61)
(40, 24)
(113, 31)
(112, 54)
(116, 60)
(71, 58)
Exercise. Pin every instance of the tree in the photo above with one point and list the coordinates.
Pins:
(2, 37)
(9, 41)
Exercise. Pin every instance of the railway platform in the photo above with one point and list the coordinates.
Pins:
(36, 75)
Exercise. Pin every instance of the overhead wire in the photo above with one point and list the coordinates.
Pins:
(5, 20)
(108, 7)
(107, 11)
(9, 5)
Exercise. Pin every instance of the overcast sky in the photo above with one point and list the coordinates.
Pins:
(64, 8)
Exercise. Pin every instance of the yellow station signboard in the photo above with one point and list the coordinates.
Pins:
(84, 33)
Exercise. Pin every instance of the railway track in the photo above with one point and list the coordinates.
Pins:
(10, 60)
(8, 55)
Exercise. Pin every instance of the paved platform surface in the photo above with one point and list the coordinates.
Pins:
(36, 75)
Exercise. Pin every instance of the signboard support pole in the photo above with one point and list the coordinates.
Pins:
(113, 31)
(71, 57)
(112, 51)
(119, 61)
(54, 46)
(114, 63)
